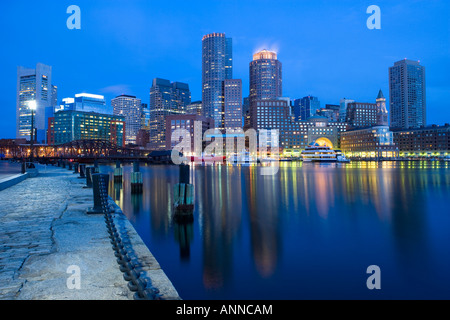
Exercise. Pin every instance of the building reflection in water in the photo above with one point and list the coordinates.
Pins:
(240, 214)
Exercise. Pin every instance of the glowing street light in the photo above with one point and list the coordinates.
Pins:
(33, 106)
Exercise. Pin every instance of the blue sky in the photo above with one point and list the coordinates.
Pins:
(325, 47)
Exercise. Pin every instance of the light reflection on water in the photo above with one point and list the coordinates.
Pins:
(310, 231)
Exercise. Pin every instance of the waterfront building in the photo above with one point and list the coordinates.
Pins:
(187, 122)
(276, 114)
(33, 85)
(129, 107)
(343, 109)
(232, 104)
(217, 66)
(331, 112)
(265, 76)
(369, 143)
(194, 108)
(432, 141)
(306, 107)
(68, 126)
(362, 114)
(166, 98)
(407, 95)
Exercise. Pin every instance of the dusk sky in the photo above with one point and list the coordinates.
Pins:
(325, 46)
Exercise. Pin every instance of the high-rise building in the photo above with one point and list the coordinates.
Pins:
(194, 108)
(407, 95)
(233, 104)
(86, 102)
(166, 98)
(33, 85)
(343, 109)
(217, 66)
(306, 107)
(265, 76)
(129, 107)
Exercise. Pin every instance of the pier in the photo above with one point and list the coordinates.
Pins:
(46, 233)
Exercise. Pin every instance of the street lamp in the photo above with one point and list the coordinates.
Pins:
(32, 105)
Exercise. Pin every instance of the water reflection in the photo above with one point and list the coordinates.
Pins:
(254, 230)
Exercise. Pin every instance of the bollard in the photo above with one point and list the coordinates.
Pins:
(75, 167)
(70, 165)
(89, 172)
(97, 209)
(64, 164)
(82, 171)
(118, 173)
(184, 173)
(136, 179)
(24, 170)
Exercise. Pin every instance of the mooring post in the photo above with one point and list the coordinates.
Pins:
(24, 167)
(136, 179)
(118, 172)
(89, 171)
(82, 171)
(98, 209)
(183, 197)
(70, 164)
(75, 167)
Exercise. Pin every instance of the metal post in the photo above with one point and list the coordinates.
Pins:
(98, 209)
(82, 171)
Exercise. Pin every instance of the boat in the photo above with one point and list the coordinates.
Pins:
(317, 153)
(340, 157)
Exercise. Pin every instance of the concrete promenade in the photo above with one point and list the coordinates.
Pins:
(45, 231)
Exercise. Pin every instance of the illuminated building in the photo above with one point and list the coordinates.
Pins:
(369, 143)
(85, 102)
(232, 104)
(217, 66)
(343, 109)
(186, 121)
(33, 85)
(265, 76)
(276, 114)
(166, 98)
(432, 141)
(407, 95)
(131, 108)
(68, 126)
(194, 108)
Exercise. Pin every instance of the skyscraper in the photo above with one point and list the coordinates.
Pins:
(306, 107)
(407, 94)
(233, 104)
(265, 76)
(131, 108)
(343, 109)
(217, 66)
(166, 98)
(33, 85)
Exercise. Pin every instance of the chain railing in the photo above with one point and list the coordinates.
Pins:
(137, 282)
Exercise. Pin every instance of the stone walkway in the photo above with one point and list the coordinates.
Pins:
(45, 231)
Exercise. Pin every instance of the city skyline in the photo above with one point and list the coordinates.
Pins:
(310, 70)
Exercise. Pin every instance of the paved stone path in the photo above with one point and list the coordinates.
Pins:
(44, 230)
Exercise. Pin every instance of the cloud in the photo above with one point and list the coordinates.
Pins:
(117, 89)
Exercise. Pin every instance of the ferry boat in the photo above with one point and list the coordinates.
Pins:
(317, 153)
